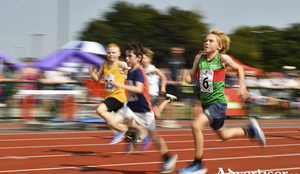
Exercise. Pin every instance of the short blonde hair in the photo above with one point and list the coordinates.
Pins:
(113, 45)
(222, 40)
(149, 53)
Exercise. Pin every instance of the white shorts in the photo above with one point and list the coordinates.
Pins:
(145, 119)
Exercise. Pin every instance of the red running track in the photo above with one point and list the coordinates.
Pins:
(88, 152)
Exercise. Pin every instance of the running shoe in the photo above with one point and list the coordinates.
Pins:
(117, 138)
(132, 144)
(129, 135)
(193, 168)
(258, 133)
(146, 143)
(170, 97)
(169, 165)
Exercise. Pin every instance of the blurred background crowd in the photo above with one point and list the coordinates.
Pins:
(269, 56)
(273, 94)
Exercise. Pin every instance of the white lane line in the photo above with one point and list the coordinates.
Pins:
(99, 136)
(88, 132)
(38, 139)
(15, 157)
(149, 151)
(257, 156)
(97, 144)
(147, 163)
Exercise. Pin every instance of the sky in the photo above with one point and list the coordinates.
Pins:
(29, 28)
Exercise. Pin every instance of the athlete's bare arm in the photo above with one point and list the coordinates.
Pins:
(123, 67)
(98, 75)
(191, 78)
(163, 81)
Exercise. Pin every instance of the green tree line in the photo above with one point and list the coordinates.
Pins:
(263, 47)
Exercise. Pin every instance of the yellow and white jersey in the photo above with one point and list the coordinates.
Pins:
(111, 74)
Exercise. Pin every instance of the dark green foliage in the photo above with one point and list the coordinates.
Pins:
(262, 47)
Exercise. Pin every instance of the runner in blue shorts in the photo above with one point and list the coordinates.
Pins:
(215, 112)
(210, 69)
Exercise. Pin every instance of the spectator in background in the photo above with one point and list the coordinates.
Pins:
(297, 78)
(289, 70)
(28, 77)
(277, 79)
(290, 81)
(230, 78)
(56, 79)
(29, 73)
(8, 89)
(176, 64)
(251, 80)
(80, 73)
(264, 81)
(63, 78)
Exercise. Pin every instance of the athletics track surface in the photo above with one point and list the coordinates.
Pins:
(78, 152)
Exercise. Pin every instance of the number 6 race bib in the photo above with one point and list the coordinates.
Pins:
(206, 80)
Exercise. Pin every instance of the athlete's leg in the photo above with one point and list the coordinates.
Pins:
(196, 166)
(142, 131)
(252, 131)
(197, 125)
(228, 133)
(169, 160)
(159, 142)
(158, 109)
(108, 105)
(103, 112)
(117, 123)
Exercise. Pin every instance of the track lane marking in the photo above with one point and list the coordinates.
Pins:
(79, 132)
(146, 163)
(149, 151)
(94, 137)
(105, 144)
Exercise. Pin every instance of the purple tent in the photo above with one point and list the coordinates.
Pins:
(73, 56)
(7, 59)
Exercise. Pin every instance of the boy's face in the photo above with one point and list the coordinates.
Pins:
(113, 53)
(132, 59)
(211, 44)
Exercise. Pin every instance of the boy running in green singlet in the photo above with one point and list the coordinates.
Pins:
(210, 69)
